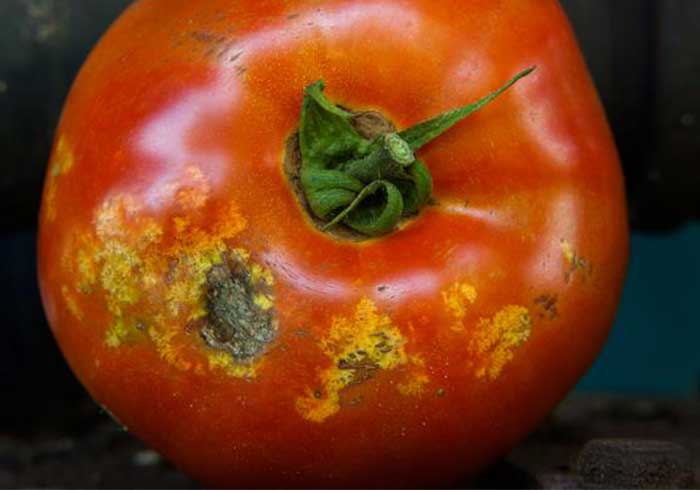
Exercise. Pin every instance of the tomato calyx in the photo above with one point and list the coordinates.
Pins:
(368, 185)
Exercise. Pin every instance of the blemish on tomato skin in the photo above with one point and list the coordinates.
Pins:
(116, 334)
(71, 303)
(496, 339)
(222, 361)
(358, 347)
(414, 386)
(457, 299)
(547, 304)
(574, 261)
(61, 164)
(152, 272)
(240, 311)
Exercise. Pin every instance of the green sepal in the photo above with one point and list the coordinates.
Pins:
(423, 133)
(381, 210)
(368, 185)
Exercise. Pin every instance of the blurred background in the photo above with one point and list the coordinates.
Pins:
(645, 58)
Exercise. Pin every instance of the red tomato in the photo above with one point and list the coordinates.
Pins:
(199, 301)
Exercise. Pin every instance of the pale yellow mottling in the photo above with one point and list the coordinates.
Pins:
(417, 360)
(567, 251)
(415, 385)
(116, 334)
(574, 260)
(223, 361)
(457, 299)
(496, 339)
(188, 278)
(357, 347)
(64, 158)
(258, 272)
(61, 163)
(240, 253)
(71, 302)
(116, 214)
(128, 260)
(50, 199)
(181, 224)
(119, 275)
(87, 269)
(168, 349)
(263, 301)
(194, 189)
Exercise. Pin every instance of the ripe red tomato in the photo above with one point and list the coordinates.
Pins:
(191, 279)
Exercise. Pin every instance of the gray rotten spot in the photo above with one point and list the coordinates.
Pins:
(235, 324)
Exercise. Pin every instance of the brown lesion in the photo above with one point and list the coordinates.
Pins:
(360, 365)
(576, 262)
(236, 322)
(547, 304)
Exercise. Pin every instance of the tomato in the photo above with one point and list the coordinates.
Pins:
(201, 301)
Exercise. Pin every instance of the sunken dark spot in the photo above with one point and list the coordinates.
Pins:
(235, 324)
(548, 306)
(360, 365)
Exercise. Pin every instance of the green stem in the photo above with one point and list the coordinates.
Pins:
(366, 185)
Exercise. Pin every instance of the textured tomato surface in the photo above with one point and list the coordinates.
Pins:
(412, 359)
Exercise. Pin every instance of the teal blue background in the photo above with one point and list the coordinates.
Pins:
(655, 345)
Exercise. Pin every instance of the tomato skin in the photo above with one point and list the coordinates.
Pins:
(495, 300)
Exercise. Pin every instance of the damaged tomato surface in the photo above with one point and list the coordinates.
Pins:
(238, 320)
(332, 244)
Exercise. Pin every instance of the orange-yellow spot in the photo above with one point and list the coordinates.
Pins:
(496, 339)
(116, 334)
(414, 386)
(61, 163)
(194, 191)
(71, 302)
(224, 361)
(457, 299)
(258, 273)
(567, 251)
(168, 347)
(147, 267)
(358, 347)
(574, 261)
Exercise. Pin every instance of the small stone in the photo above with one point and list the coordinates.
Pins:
(688, 120)
(146, 458)
(53, 449)
(559, 481)
(632, 463)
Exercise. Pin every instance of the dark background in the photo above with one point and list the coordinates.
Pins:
(645, 59)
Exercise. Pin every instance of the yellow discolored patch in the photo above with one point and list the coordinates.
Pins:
(155, 268)
(61, 163)
(194, 192)
(263, 301)
(224, 362)
(457, 299)
(119, 275)
(574, 261)
(257, 273)
(496, 339)
(71, 302)
(567, 251)
(169, 346)
(415, 386)
(116, 334)
(358, 347)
